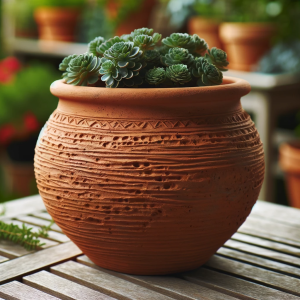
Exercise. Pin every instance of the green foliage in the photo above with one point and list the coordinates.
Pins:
(28, 92)
(56, 3)
(23, 235)
(134, 60)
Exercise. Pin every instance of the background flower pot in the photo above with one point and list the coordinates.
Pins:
(207, 29)
(290, 163)
(149, 181)
(245, 43)
(57, 24)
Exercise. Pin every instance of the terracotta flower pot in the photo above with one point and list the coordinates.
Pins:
(57, 24)
(245, 43)
(137, 19)
(149, 181)
(207, 29)
(290, 164)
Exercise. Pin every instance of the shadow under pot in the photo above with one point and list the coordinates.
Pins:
(150, 181)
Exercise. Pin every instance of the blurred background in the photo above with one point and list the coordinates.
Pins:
(261, 37)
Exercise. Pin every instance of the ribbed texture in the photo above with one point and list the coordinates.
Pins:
(149, 196)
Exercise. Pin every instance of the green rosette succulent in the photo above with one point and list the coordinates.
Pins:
(146, 31)
(156, 76)
(151, 58)
(144, 42)
(178, 74)
(199, 45)
(108, 44)
(63, 66)
(177, 56)
(110, 73)
(217, 57)
(93, 46)
(83, 70)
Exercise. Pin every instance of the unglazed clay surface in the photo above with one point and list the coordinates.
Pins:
(146, 195)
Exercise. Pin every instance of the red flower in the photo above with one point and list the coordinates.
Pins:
(6, 133)
(11, 64)
(5, 77)
(31, 123)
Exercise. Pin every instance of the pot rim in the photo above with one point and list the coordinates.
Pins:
(232, 88)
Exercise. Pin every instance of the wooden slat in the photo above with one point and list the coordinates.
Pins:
(167, 285)
(38, 222)
(237, 287)
(12, 250)
(104, 282)
(17, 291)
(258, 261)
(272, 228)
(266, 244)
(17, 267)
(63, 288)
(3, 258)
(25, 206)
(42, 215)
(271, 254)
(277, 213)
(252, 273)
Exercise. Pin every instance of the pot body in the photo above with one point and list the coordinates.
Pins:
(206, 29)
(290, 164)
(149, 181)
(246, 43)
(57, 24)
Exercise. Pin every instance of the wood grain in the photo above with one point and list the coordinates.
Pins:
(63, 288)
(12, 250)
(21, 266)
(42, 215)
(3, 258)
(17, 291)
(167, 285)
(104, 282)
(240, 288)
(252, 273)
(258, 261)
(37, 221)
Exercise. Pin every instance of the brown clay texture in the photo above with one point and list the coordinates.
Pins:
(149, 181)
(246, 43)
(56, 24)
(290, 163)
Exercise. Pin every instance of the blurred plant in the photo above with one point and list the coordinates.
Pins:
(25, 100)
(56, 3)
(134, 60)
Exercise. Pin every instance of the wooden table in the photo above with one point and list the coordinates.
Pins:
(260, 261)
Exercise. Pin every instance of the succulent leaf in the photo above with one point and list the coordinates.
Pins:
(83, 70)
(181, 40)
(144, 42)
(156, 76)
(217, 57)
(200, 46)
(178, 74)
(94, 45)
(109, 43)
(65, 62)
(177, 56)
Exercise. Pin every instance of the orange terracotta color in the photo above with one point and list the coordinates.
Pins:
(149, 181)
(290, 164)
(207, 29)
(245, 43)
(135, 20)
(56, 24)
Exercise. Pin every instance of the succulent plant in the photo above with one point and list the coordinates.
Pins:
(217, 57)
(95, 44)
(156, 76)
(65, 63)
(179, 74)
(83, 70)
(135, 59)
(177, 56)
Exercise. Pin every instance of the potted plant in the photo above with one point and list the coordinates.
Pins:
(57, 19)
(21, 118)
(152, 174)
(289, 159)
(207, 20)
(249, 29)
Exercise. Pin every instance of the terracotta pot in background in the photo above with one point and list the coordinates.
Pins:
(149, 181)
(207, 29)
(290, 164)
(135, 20)
(57, 24)
(245, 43)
